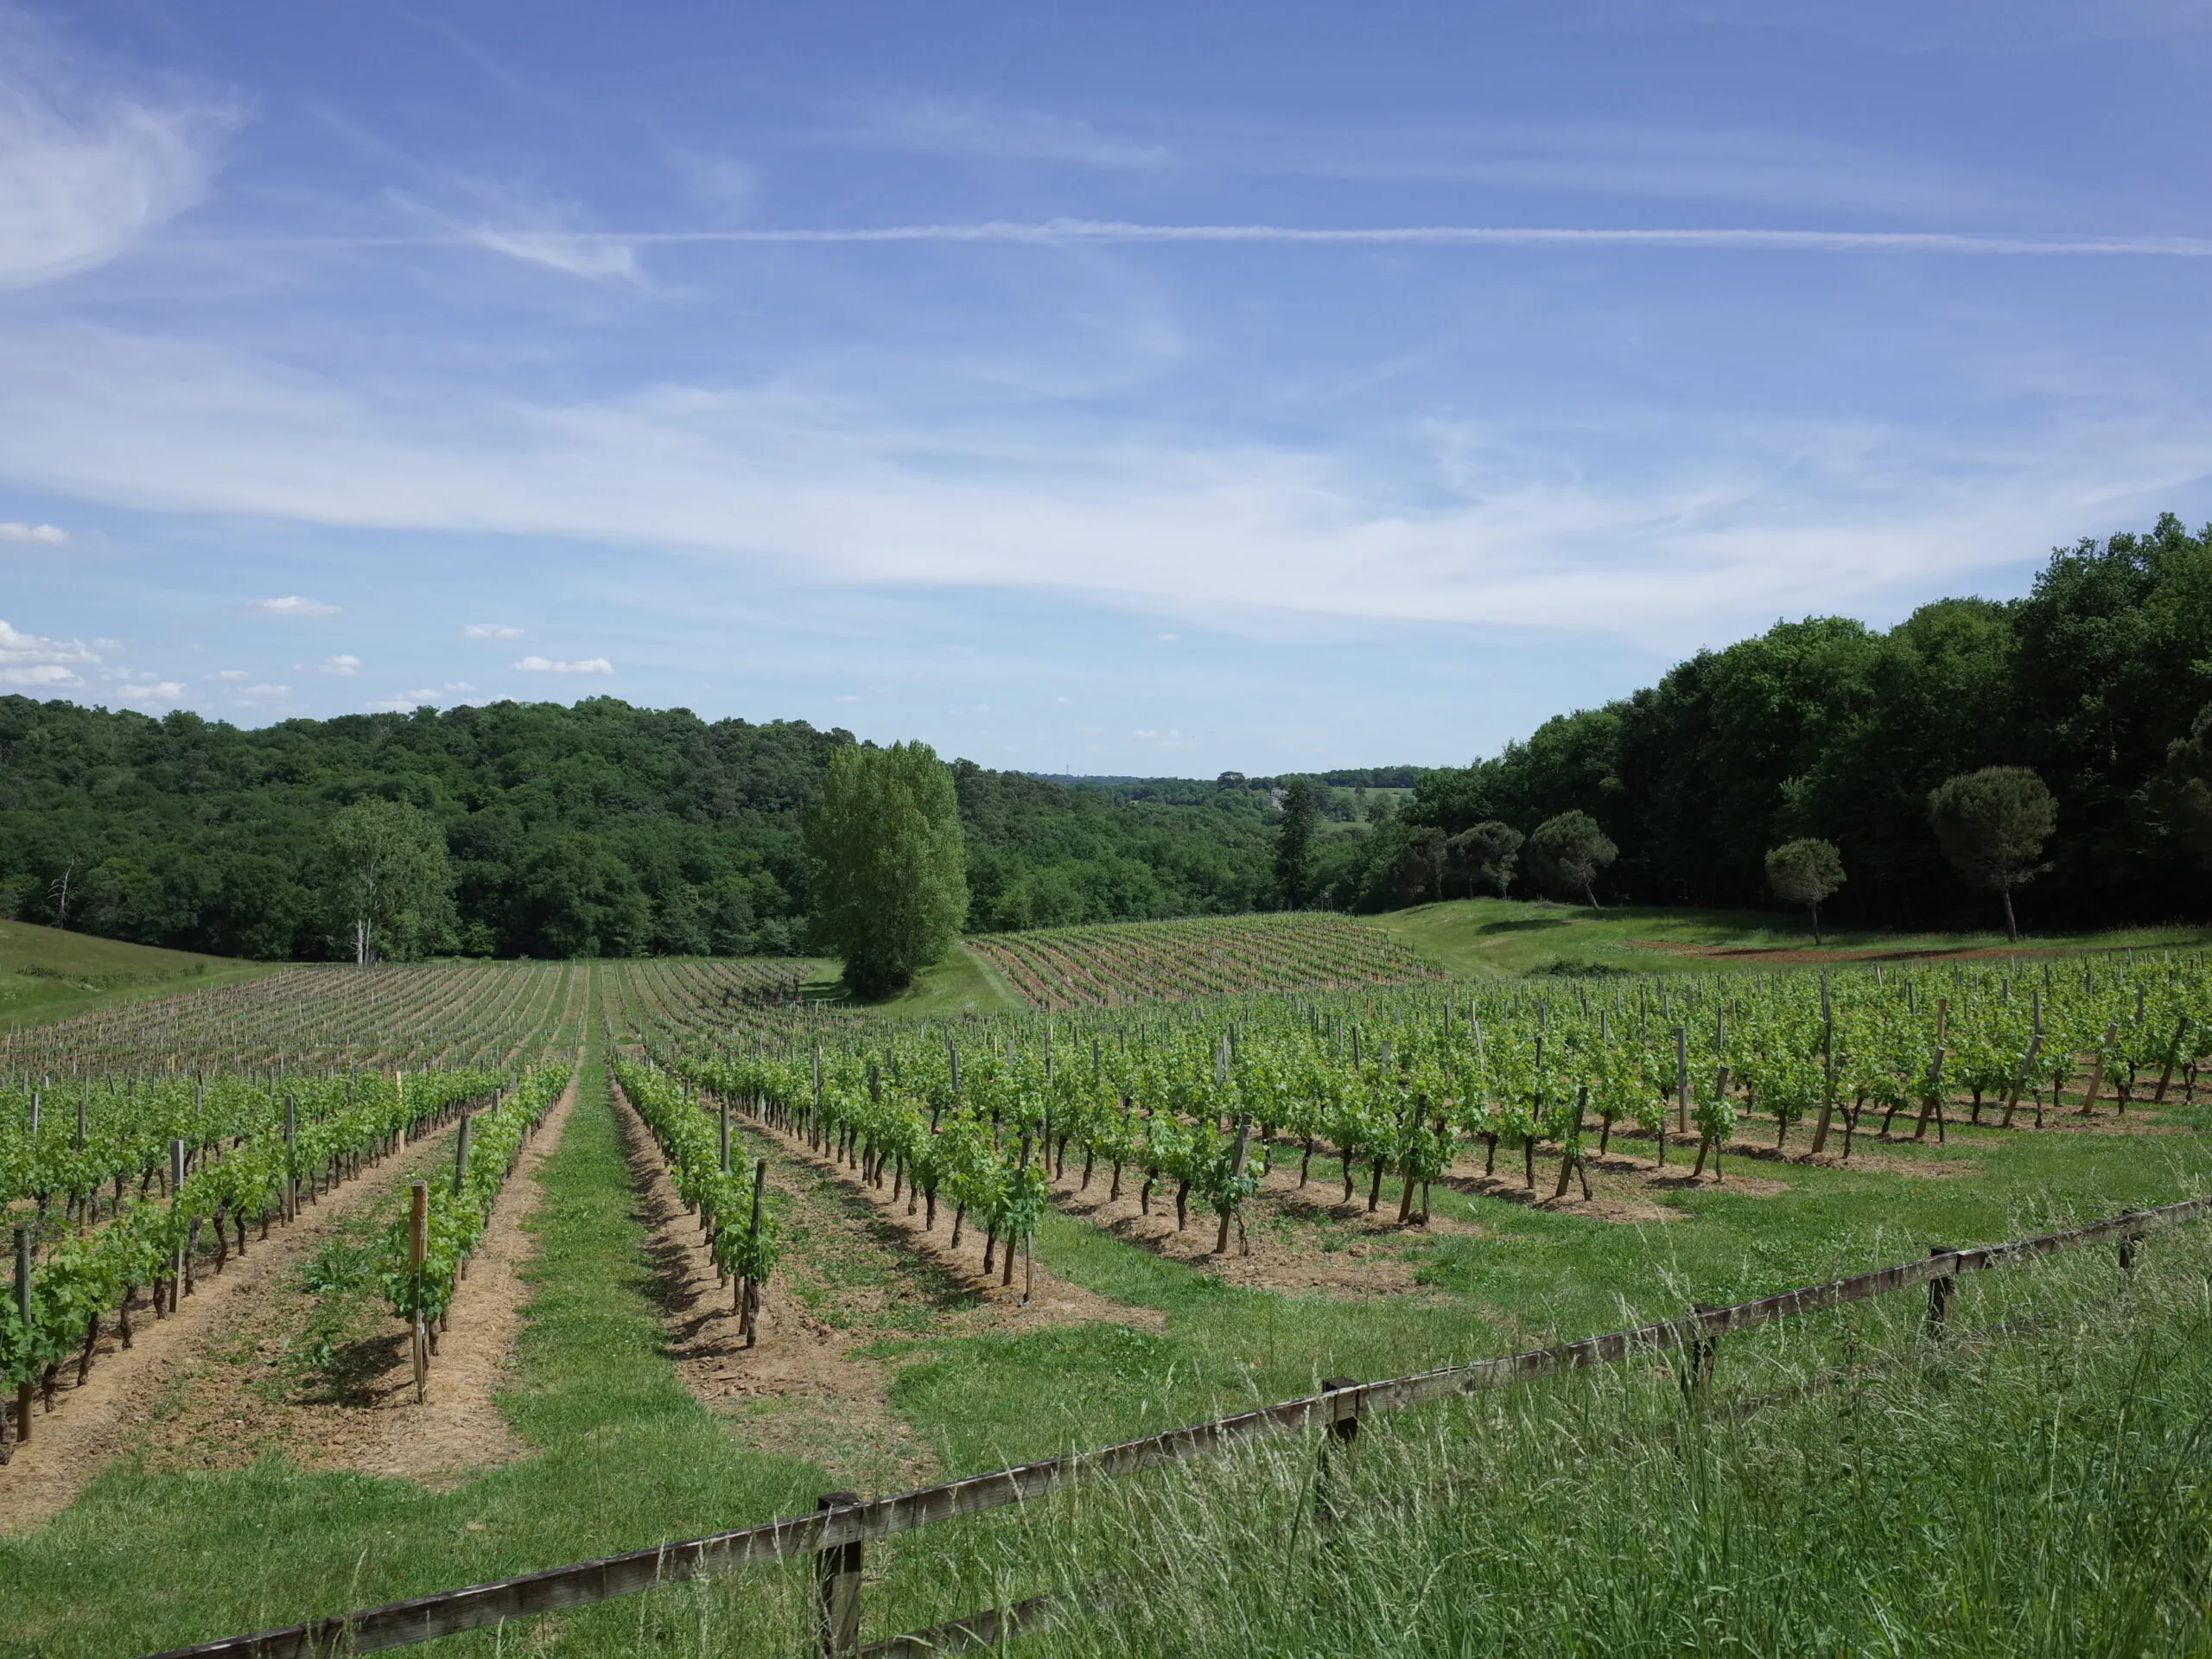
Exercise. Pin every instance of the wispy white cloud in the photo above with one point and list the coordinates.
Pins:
(83, 178)
(39, 674)
(535, 665)
(264, 693)
(32, 659)
(44, 535)
(294, 605)
(490, 631)
(1665, 525)
(230, 674)
(529, 228)
(586, 252)
(572, 253)
(151, 691)
(982, 131)
(340, 667)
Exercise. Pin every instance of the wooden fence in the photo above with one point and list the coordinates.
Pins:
(842, 1524)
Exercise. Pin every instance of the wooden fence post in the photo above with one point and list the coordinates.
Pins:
(1939, 1297)
(2127, 1244)
(837, 1589)
(418, 1250)
(1699, 1354)
(1338, 1449)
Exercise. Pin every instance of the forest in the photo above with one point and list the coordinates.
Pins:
(606, 830)
(2099, 680)
(598, 829)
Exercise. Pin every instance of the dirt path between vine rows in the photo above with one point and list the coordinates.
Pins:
(226, 1413)
(91, 1424)
(855, 1270)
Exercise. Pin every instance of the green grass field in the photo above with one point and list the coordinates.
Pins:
(47, 974)
(1485, 938)
(962, 983)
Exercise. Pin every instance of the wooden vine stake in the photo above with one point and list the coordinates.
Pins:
(2027, 1066)
(418, 1251)
(748, 1293)
(2173, 1053)
(291, 1139)
(23, 1313)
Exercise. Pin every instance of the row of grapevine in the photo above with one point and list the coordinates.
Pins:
(1113, 964)
(744, 1234)
(1402, 1083)
(236, 1166)
(313, 1018)
(427, 1247)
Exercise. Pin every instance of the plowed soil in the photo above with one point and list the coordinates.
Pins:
(359, 1413)
(125, 1394)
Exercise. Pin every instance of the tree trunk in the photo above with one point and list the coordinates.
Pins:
(2011, 927)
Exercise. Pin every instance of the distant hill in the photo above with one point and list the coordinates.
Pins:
(46, 972)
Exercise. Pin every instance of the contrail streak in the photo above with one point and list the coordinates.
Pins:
(1063, 232)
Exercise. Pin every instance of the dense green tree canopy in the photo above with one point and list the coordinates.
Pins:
(887, 864)
(599, 829)
(1992, 824)
(1805, 873)
(391, 884)
(1827, 729)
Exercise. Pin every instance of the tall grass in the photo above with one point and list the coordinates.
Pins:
(1845, 1486)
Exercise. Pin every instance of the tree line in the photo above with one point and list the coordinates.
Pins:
(536, 829)
(2096, 685)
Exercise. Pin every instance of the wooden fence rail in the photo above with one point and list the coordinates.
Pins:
(837, 1531)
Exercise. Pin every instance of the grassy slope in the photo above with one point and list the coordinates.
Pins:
(962, 983)
(47, 974)
(1481, 937)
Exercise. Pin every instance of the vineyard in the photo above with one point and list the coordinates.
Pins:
(1113, 966)
(1002, 1236)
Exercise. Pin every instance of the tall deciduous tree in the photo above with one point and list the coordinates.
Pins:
(1992, 825)
(886, 864)
(1294, 843)
(1487, 853)
(1569, 850)
(394, 885)
(1804, 873)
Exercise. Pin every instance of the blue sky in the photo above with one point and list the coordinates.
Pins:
(1142, 389)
